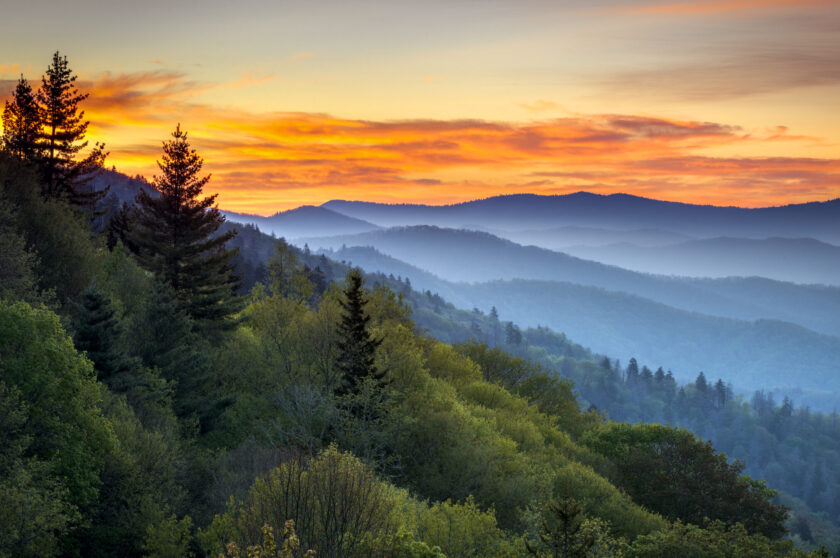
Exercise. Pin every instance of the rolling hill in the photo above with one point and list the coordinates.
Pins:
(520, 212)
(306, 220)
(470, 256)
(753, 354)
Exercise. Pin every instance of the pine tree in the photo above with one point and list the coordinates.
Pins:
(97, 332)
(63, 130)
(119, 228)
(561, 533)
(174, 237)
(21, 123)
(357, 347)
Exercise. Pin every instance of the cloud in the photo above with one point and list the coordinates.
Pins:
(262, 162)
(710, 7)
(732, 75)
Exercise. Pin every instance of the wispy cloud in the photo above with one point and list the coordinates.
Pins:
(732, 75)
(708, 7)
(262, 162)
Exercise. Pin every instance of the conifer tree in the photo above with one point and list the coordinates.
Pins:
(174, 236)
(97, 332)
(357, 347)
(119, 228)
(21, 123)
(61, 138)
(561, 533)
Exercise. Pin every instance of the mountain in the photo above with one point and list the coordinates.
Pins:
(755, 354)
(471, 256)
(560, 238)
(306, 220)
(820, 220)
(800, 260)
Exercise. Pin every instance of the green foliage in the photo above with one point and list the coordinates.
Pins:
(562, 532)
(717, 540)
(334, 499)
(464, 530)
(401, 544)
(67, 259)
(35, 510)
(65, 422)
(669, 471)
(286, 275)
(269, 548)
(141, 484)
(17, 263)
(169, 538)
(98, 332)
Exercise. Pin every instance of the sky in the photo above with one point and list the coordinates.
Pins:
(725, 102)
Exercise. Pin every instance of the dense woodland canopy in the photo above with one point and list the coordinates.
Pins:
(155, 401)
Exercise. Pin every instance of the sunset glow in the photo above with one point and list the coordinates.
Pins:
(720, 102)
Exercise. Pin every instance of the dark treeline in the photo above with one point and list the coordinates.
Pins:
(151, 404)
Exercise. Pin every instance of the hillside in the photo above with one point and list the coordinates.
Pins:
(751, 354)
(817, 220)
(306, 220)
(799, 260)
(470, 256)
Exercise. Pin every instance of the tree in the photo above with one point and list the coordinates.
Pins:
(119, 228)
(57, 393)
(671, 472)
(512, 334)
(174, 236)
(561, 533)
(61, 138)
(21, 123)
(357, 347)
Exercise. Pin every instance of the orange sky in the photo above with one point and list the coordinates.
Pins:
(723, 101)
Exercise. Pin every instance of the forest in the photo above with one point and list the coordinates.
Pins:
(163, 395)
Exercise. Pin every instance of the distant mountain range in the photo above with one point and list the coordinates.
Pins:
(561, 238)
(800, 260)
(524, 212)
(303, 221)
(471, 256)
(753, 354)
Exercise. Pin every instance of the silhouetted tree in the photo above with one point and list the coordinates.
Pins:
(21, 123)
(175, 237)
(63, 130)
(119, 228)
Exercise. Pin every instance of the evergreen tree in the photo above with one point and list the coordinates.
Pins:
(21, 123)
(119, 228)
(175, 237)
(632, 372)
(63, 130)
(97, 332)
(512, 334)
(561, 533)
(357, 347)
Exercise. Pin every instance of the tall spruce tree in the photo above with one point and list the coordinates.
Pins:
(22, 123)
(61, 138)
(357, 347)
(174, 238)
